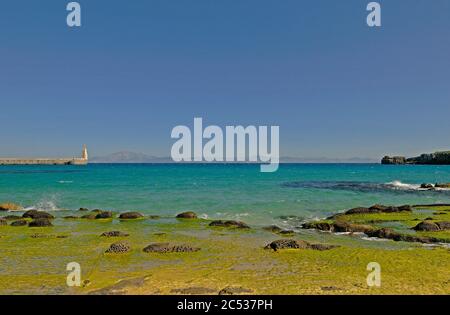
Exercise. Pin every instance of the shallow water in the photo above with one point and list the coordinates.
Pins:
(302, 191)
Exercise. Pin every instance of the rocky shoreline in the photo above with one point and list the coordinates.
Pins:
(184, 239)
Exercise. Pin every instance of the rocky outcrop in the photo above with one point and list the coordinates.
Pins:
(187, 215)
(104, 215)
(277, 230)
(379, 209)
(168, 248)
(130, 215)
(437, 158)
(229, 224)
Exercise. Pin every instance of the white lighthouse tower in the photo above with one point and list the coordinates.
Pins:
(84, 153)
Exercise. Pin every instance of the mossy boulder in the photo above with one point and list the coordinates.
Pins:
(131, 215)
(118, 248)
(187, 215)
(40, 222)
(426, 226)
(169, 248)
(10, 206)
(229, 224)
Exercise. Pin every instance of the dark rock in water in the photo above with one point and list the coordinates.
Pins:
(168, 248)
(97, 211)
(104, 215)
(351, 227)
(293, 244)
(19, 223)
(407, 208)
(114, 234)
(12, 217)
(130, 215)
(70, 217)
(277, 230)
(118, 248)
(83, 209)
(35, 214)
(187, 215)
(229, 223)
(3, 222)
(287, 244)
(442, 185)
(90, 216)
(234, 291)
(426, 186)
(40, 222)
(390, 234)
(426, 226)
(361, 210)
(322, 226)
(378, 208)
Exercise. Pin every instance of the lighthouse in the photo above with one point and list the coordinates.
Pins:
(84, 153)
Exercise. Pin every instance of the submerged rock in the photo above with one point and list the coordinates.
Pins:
(83, 209)
(118, 248)
(10, 206)
(168, 248)
(229, 223)
(297, 244)
(130, 215)
(35, 214)
(114, 234)
(40, 222)
(104, 215)
(19, 223)
(187, 215)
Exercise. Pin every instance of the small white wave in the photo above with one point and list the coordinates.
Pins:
(44, 205)
(65, 181)
(396, 184)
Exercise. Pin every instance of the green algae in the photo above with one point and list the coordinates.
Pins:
(228, 257)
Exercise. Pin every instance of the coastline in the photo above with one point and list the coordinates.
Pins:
(231, 258)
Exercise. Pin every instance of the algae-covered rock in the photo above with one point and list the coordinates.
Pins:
(35, 214)
(40, 222)
(114, 234)
(322, 226)
(229, 224)
(89, 216)
(130, 215)
(297, 244)
(379, 209)
(10, 206)
(187, 215)
(443, 225)
(19, 223)
(339, 226)
(426, 226)
(118, 248)
(168, 248)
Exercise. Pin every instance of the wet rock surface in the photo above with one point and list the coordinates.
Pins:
(35, 214)
(131, 215)
(297, 244)
(40, 222)
(114, 234)
(19, 223)
(187, 215)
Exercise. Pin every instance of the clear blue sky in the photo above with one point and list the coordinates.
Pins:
(135, 69)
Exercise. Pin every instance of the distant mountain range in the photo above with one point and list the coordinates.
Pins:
(135, 157)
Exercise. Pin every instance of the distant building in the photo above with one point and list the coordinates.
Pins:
(83, 160)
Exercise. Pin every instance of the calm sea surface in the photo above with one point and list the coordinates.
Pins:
(301, 191)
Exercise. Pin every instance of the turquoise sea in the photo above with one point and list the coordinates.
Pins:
(235, 191)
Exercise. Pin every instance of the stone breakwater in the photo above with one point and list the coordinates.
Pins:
(68, 161)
